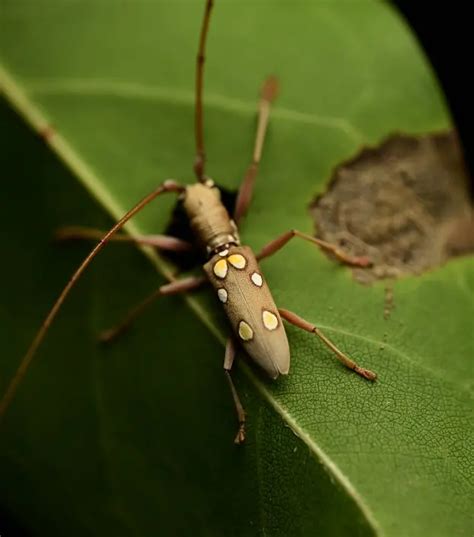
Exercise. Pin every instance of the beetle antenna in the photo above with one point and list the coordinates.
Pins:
(167, 186)
(199, 163)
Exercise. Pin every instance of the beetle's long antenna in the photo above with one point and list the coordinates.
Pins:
(199, 163)
(167, 186)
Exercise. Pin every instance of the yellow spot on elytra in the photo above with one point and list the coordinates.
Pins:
(245, 332)
(270, 320)
(222, 294)
(237, 260)
(220, 268)
(257, 279)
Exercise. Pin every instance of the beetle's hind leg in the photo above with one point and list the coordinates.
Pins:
(162, 242)
(230, 352)
(305, 325)
(173, 288)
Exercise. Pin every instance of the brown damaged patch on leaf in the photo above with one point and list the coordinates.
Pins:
(405, 204)
(388, 302)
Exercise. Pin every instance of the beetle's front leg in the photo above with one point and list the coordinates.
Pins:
(299, 322)
(230, 352)
(275, 245)
(244, 197)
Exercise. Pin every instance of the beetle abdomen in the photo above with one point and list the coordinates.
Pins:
(250, 307)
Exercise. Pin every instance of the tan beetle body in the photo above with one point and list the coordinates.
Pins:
(234, 273)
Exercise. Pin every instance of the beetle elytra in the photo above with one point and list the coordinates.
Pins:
(232, 269)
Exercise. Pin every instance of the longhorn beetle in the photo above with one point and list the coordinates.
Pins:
(232, 269)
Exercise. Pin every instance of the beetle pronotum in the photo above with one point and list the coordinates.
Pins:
(232, 269)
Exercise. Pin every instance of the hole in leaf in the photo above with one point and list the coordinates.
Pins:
(405, 204)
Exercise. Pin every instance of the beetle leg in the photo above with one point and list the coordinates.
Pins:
(230, 352)
(305, 325)
(162, 242)
(278, 243)
(268, 93)
(173, 288)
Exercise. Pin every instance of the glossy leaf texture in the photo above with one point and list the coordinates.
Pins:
(137, 439)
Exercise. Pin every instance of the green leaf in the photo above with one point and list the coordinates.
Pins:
(137, 439)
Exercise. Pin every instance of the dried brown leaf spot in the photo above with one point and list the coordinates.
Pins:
(405, 204)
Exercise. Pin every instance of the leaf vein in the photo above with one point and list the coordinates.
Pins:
(135, 90)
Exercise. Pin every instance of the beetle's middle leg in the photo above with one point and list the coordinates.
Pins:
(278, 243)
(230, 352)
(173, 288)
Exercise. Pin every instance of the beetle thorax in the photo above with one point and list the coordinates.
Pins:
(209, 218)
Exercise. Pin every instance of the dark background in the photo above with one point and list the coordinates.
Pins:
(445, 31)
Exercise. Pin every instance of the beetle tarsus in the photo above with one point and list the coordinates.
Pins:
(362, 261)
(108, 336)
(240, 436)
(366, 373)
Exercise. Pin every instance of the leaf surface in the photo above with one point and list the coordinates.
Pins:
(136, 439)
